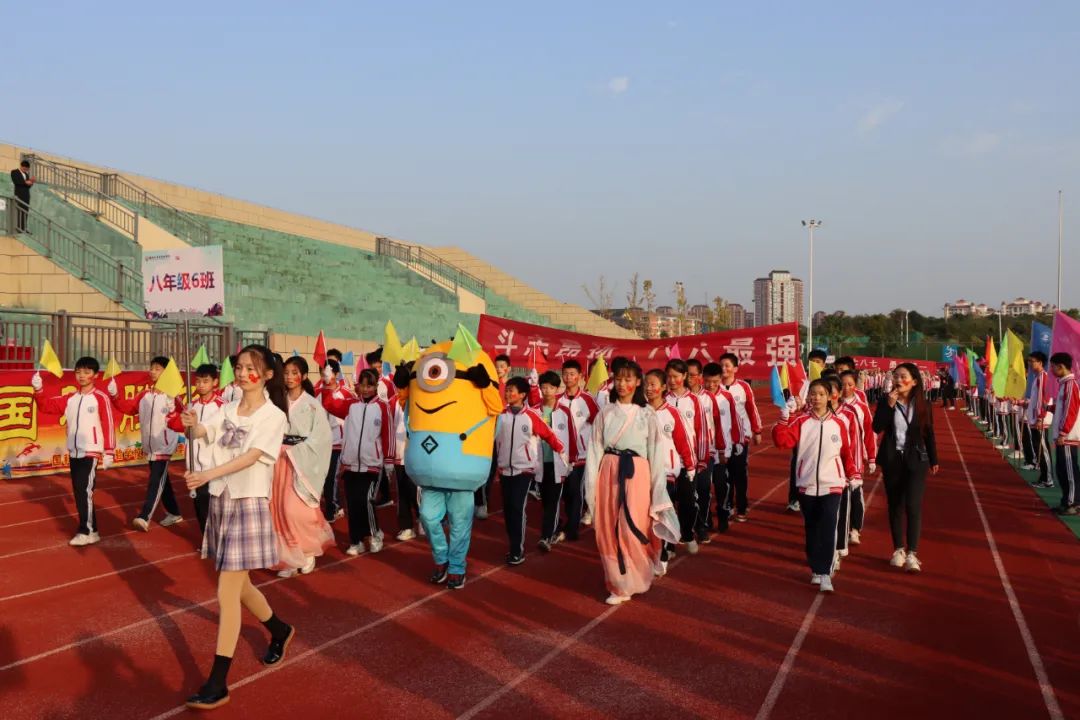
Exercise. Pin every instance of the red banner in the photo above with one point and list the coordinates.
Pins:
(34, 442)
(758, 349)
(867, 362)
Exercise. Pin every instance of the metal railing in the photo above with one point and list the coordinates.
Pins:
(131, 342)
(115, 278)
(83, 189)
(429, 265)
(129, 196)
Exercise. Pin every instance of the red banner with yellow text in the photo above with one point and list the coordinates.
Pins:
(867, 362)
(758, 349)
(34, 442)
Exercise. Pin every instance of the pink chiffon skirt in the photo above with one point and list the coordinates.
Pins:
(640, 560)
(300, 531)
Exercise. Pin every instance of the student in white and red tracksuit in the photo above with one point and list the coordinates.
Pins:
(206, 404)
(848, 419)
(824, 462)
(556, 466)
(332, 381)
(749, 428)
(583, 410)
(728, 441)
(159, 441)
(696, 420)
(1065, 433)
(865, 449)
(703, 477)
(518, 433)
(91, 439)
(678, 452)
(365, 452)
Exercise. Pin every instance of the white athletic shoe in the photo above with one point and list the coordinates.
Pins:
(815, 579)
(912, 564)
(481, 512)
(794, 506)
(407, 534)
(826, 584)
(586, 519)
(309, 566)
(83, 539)
(835, 564)
(844, 552)
(899, 557)
(375, 543)
(661, 571)
(1028, 466)
(692, 547)
(355, 550)
(141, 524)
(854, 538)
(288, 573)
(170, 519)
(338, 515)
(617, 599)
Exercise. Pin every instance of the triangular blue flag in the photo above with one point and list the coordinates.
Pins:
(1040, 338)
(776, 389)
(295, 353)
(348, 359)
(387, 369)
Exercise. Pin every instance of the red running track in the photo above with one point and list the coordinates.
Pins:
(126, 628)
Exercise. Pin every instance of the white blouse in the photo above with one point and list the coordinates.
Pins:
(231, 435)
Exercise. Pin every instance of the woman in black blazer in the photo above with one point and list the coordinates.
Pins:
(906, 453)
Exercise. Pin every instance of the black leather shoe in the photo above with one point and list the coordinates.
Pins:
(276, 652)
(207, 699)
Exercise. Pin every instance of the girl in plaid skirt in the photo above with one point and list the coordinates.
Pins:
(245, 439)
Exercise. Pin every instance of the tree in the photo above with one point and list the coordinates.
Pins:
(682, 320)
(601, 298)
(634, 315)
(719, 315)
(648, 297)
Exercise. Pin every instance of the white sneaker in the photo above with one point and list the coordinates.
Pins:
(692, 547)
(854, 538)
(661, 571)
(375, 543)
(481, 512)
(338, 515)
(586, 519)
(141, 524)
(815, 579)
(912, 564)
(407, 534)
(290, 572)
(1028, 466)
(794, 506)
(355, 550)
(826, 584)
(844, 552)
(835, 564)
(83, 539)
(170, 519)
(309, 566)
(899, 557)
(617, 599)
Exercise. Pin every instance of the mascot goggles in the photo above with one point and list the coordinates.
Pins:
(436, 372)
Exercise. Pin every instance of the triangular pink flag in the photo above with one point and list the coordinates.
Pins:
(361, 363)
(674, 353)
(1065, 338)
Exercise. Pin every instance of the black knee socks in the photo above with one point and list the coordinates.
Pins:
(218, 673)
(278, 629)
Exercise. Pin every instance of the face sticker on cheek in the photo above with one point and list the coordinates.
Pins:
(253, 378)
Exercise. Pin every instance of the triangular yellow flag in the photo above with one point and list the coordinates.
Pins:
(785, 379)
(170, 382)
(49, 361)
(1016, 380)
(112, 369)
(464, 348)
(598, 376)
(815, 371)
(392, 350)
(410, 352)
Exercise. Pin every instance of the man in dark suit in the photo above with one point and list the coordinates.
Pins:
(22, 180)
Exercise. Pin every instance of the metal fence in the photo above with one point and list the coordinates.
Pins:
(430, 265)
(131, 342)
(84, 189)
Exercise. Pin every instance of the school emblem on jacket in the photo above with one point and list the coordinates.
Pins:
(525, 429)
(836, 438)
(376, 422)
(91, 410)
(669, 427)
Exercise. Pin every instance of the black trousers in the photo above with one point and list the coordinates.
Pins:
(720, 490)
(22, 211)
(843, 522)
(739, 478)
(202, 505)
(792, 489)
(703, 490)
(515, 491)
(1068, 471)
(683, 495)
(330, 500)
(83, 477)
(382, 496)
(858, 508)
(820, 515)
(550, 496)
(159, 489)
(905, 485)
(360, 489)
(573, 500)
(408, 503)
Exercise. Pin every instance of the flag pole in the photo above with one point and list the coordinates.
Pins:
(1061, 232)
(186, 352)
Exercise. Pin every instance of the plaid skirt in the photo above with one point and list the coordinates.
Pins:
(239, 534)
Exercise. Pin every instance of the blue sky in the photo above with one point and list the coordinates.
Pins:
(559, 141)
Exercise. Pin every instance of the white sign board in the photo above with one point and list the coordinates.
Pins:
(183, 280)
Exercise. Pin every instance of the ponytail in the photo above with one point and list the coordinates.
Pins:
(302, 368)
(275, 386)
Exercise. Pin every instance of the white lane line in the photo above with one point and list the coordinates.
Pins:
(62, 545)
(72, 516)
(94, 577)
(1053, 709)
(97, 488)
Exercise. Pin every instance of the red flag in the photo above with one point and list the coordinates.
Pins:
(797, 378)
(320, 350)
(539, 360)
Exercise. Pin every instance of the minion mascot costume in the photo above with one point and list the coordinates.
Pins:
(451, 400)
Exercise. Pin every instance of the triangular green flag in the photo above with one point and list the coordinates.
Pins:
(226, 376)
(464, 348)
(1001, 370)
(201, 358)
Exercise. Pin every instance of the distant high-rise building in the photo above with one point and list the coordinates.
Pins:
(739, 316)
(778, 298)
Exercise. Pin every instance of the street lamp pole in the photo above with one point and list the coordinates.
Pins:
(810, 225)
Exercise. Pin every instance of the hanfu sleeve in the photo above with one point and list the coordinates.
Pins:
(593, 456)
(311, 458)
(665, 520)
